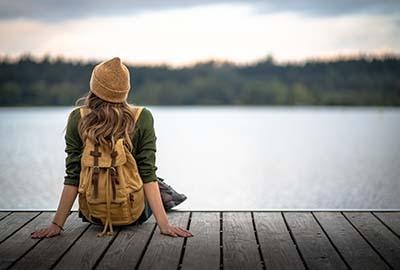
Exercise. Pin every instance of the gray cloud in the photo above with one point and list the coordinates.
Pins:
(60, 10)
(330, 8)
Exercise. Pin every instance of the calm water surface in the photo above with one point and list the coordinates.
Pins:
(228, 157)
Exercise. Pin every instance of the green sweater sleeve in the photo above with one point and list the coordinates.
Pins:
(144, 144)
(144, 148)
(73, 148)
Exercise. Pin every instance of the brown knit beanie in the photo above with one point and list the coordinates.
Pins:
(110, 81)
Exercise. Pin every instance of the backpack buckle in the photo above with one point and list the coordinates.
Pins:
(96, 169)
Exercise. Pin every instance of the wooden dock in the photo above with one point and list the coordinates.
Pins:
(222, 240)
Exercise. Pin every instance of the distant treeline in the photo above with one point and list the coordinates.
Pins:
(358, 81)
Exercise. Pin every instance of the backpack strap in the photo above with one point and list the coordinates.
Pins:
(96, 169)
(138, 110)
(83, 110)
(113, 173)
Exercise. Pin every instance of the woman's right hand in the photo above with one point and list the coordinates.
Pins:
(50, 231)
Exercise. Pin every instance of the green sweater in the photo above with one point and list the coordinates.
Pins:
(144, 148)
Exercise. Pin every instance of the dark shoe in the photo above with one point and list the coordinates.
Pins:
(169, 196)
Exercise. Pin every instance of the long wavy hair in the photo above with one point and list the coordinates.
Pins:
(106, 122)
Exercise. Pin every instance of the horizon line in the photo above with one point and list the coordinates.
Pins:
(5, 58)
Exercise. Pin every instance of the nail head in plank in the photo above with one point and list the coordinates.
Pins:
(202, 250)
(163, 251)
(380, 237)
(314, 246)
(126, 249)
(240, 248)
(354, 249)
(278, 249)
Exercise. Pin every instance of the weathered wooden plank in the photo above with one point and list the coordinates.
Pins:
(278, 248)
(46, 253)
(354, 249)
(240, 250)
(202, 250)
(86, 250)
(13, 222)
(20, 242)
(4, 214)
(317, 251)
(164, 251)
(384, 241)
(19, 251)
(391, 219)
(127, 248)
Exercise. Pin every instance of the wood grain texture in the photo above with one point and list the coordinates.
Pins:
(49, 250)
(4, 214)
(87, 250)
(277, 247)
(380, 237)
(318, 240)
(202, 250)
(391, 219)
(240, 248)
(354, 249)
(314, 246)
(164, 251)
(21, 242)
(13, 222)
(127, 248)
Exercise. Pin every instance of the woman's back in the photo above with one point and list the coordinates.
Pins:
(143, 142)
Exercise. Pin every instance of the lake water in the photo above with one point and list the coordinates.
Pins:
(228, 157)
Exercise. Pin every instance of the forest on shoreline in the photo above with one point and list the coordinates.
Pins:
(358, 81)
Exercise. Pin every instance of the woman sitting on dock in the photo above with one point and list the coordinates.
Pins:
(111, 123)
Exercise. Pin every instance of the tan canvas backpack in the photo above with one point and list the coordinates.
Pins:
(110, 187)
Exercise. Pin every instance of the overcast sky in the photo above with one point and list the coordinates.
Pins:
(184, 32)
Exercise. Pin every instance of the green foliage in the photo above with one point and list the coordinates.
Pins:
(358, 81)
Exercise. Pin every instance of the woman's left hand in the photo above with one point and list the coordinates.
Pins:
(50, 231)
(174, 231)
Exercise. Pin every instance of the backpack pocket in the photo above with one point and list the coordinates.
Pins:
(136, 202)
(119, 211)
